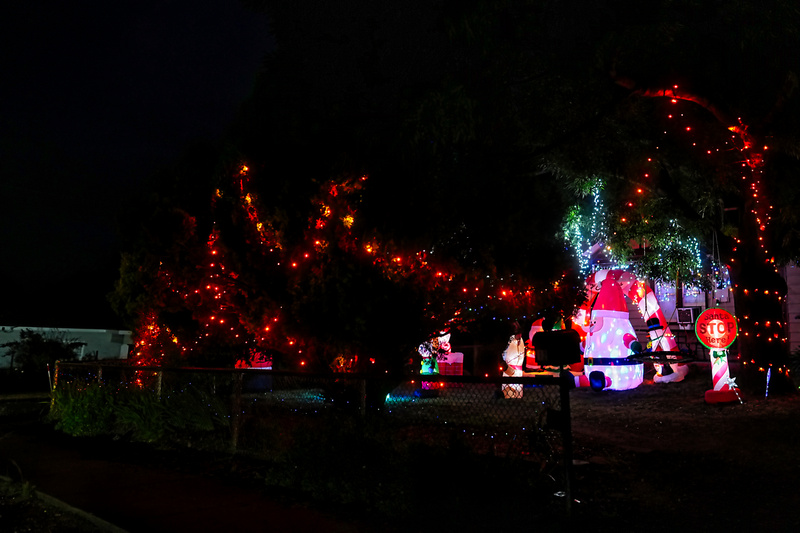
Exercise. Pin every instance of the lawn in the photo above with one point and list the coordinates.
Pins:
(658, 457)
(655, 458)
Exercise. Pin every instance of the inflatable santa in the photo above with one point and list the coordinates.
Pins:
(608, 344)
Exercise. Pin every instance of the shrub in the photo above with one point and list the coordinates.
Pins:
(138, 414)
(32, 355)
(83, 411)
(141, 415)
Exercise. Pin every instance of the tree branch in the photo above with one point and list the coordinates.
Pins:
(674, 93)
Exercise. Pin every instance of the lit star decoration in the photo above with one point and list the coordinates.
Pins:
(735, 388)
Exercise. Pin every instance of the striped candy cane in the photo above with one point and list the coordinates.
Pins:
(724, 387)
(720, 373)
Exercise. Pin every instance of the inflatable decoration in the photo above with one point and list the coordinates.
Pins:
(608, 338)
(437, 358)
(661, 338)
(432, 353)
(514, 357)
(608, 344)
(717, 329)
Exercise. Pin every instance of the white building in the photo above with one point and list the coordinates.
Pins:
(791, 273)
(99, 343)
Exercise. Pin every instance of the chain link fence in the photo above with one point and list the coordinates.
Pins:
(264, 411)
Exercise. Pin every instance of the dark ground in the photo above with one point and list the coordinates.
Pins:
(136, 488)
(656, 458)
(661, 459)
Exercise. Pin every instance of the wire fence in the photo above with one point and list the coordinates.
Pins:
(526, 417)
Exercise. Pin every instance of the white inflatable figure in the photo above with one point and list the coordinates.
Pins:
(609, 340)
(514, 356)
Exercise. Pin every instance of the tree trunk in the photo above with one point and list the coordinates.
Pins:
(759, 295)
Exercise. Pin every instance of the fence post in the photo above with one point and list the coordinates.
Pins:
(236, 407)
(55, 384)
(158, 384)
(566, 383)
(362, 392)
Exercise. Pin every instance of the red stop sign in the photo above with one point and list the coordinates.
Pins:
(716, 328)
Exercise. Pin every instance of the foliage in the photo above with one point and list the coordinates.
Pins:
(313, 293)
(136, 413)
(140, 414)
(83, 411)
(390, 267)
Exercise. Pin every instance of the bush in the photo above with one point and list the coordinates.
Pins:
(141, 415)
(83, 411)
(138, 414)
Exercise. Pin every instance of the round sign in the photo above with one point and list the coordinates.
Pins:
(716, 328)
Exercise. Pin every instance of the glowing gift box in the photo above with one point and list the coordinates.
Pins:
(452, 364)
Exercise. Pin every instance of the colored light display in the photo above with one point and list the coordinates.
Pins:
(728, 148)
(221, 299)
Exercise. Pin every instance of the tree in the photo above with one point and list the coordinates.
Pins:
(399, 270)
(480, 124)
(336, 290)
(647, 106)
(706, 155)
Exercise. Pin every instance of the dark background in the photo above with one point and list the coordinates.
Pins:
(94, 98)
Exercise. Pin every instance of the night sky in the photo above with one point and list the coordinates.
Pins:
(94, 97)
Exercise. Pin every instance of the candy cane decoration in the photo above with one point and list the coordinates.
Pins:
(719, 370)
(725, 389)
(717, 330)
